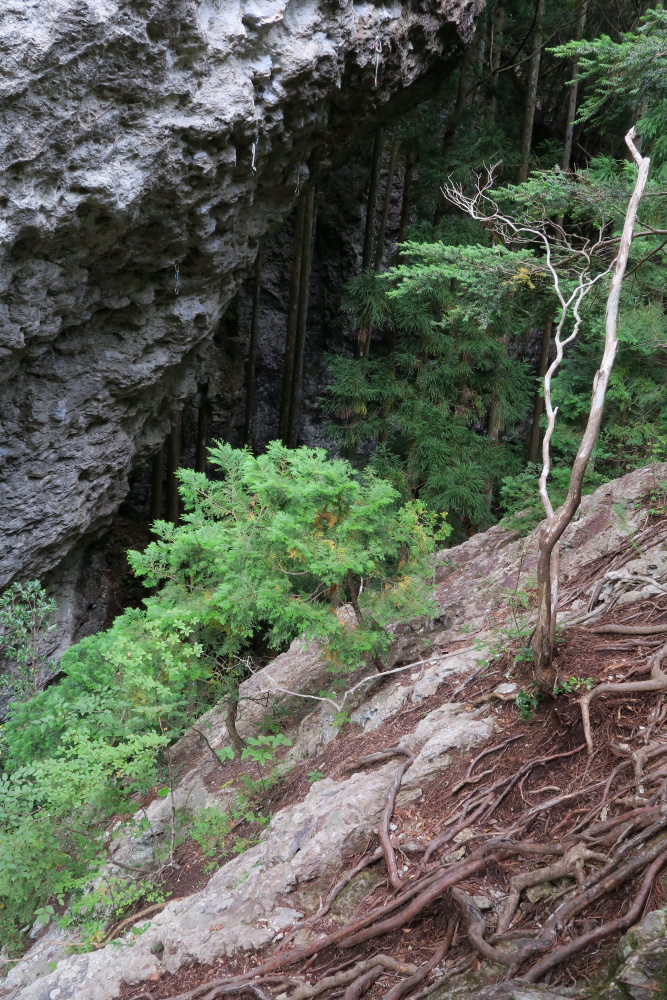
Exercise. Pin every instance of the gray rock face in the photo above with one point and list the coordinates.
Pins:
(508, 991)
(241, 908)
(642, 961)
(128, 130)
(474, 578)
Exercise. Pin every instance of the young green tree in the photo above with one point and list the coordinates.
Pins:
(273, 549)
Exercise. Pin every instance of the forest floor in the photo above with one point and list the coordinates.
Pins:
(537, 787)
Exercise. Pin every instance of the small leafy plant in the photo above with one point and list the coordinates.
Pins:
(26, 619)
(572, 685)
(527, 702)
(111, 899)
(210, 829)
(341, 719)
(262, 749)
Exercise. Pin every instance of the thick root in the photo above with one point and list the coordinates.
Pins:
(657, 682)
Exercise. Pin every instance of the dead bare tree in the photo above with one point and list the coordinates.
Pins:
(583, 259)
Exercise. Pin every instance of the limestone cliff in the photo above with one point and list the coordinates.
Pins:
(129, 130)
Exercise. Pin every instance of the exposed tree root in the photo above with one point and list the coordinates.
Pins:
(148, 911)
(333, 893)
(571, 864)
(587, 834)
(629, 629)
(490, 802)
(353, 977)
(657, 682)
(477, 930)
(443, 980)
(214, 990)
(363, 983)
(632, 850)
(606, 930)
(423, 972)
(385, 819)
(435, 890)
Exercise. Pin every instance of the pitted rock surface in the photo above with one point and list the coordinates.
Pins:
(440, 731)
(510, 991)
(126, 143)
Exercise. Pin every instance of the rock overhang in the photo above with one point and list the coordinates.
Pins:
(128, 130)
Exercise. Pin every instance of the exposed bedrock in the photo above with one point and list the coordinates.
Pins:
(127, 131)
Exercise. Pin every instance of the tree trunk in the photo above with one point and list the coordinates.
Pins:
(481, 40)
(371, 208)
(493, 423)
(230, 721)
(556, 522)
(574, 86)
(252, 351)
(173, 462)
(408, 177)
(458, 109)
(531, 92)
(202, 429)
(302, 319)
(493, 431)
(495, 53)
(363, 338)
(292, 316)
(538, 404)
(448, 138)
(353, 587)
(157, 476)
(391, 170)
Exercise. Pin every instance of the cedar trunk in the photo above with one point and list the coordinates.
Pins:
(292, 316)
(252, 351)
(531, 92)
(300, 342)
(157, 476)
(574, 87)
(391, 170)
(173, 462)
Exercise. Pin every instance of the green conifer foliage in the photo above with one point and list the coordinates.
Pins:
(626, 81)
(271, 551)
(419, 407)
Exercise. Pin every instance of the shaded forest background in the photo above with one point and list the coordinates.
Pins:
(442, 396)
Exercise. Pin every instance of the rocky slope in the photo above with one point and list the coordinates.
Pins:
(128, 132)
(614, 556)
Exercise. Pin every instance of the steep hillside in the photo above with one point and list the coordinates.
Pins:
(438, 825)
